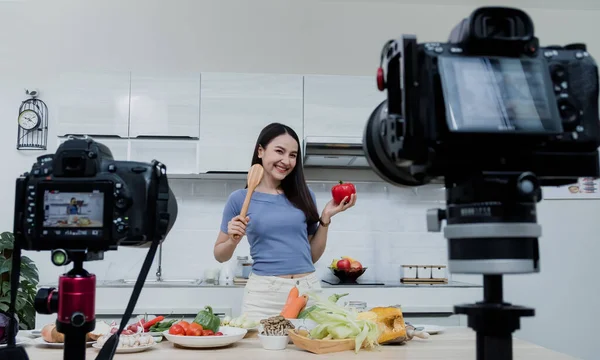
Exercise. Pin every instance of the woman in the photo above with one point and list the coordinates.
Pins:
(284, 229)
(72, 211)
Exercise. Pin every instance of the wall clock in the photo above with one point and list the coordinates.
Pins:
(29, 119)
(32, 121)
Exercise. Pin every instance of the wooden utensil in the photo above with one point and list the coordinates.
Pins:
(254, 178)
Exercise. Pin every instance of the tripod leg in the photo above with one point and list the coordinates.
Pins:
(495, 347)
(75, 345)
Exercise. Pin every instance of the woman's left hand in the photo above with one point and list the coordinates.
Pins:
(331, 208)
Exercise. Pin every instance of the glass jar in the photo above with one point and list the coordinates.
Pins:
(239, 269)
(246, 269)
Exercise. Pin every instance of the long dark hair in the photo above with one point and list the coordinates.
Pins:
(294, 185)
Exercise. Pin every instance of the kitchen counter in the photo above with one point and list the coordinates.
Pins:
(423, 303)
(453, 344)
(198, 284)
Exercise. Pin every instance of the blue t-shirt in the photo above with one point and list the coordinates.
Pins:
(277, 233)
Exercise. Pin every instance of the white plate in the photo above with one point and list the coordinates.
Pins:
(230, 336)
(154, 333)
(125, 350)
(18, 341)
(431, 329)
(41, 341)
(34, 333)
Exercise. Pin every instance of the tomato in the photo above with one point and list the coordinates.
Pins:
(185, 325)
(176, 330)
(218, 333)
(341, 190)
(193, 332)
(196, 326)
(207, 332)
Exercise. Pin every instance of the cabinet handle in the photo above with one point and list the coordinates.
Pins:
(96, 136)
(165, 137)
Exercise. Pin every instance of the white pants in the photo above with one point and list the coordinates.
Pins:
(265, 296)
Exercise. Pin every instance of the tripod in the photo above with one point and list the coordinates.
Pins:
(74, 302)
(491, 230)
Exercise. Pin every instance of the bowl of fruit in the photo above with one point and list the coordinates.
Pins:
(347, 269)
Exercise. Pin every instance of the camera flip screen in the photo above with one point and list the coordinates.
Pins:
(73, 210)
(498, 95)
(73, 213)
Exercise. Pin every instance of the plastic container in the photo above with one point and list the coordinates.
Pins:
(270, 342)
(360, 306)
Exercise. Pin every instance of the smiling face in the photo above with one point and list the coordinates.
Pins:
(279, 157)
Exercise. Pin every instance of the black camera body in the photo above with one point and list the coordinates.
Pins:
(80, 198)
(490, 100)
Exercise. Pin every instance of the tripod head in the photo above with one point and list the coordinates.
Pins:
(74, 301)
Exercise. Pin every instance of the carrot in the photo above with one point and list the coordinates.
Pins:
(291, 310)
(294, 292)
(148, 325)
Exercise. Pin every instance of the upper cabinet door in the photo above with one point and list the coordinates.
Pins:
(93, 104)
(236, 107)
(336, 105)
(165, 105)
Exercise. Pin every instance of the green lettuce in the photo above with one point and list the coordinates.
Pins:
(337, 322)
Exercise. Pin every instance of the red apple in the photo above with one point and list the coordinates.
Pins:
(355, 265)
(343, 264)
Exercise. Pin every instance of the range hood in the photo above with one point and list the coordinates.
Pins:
(334, 151)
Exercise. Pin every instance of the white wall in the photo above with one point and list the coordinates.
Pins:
(38, 39)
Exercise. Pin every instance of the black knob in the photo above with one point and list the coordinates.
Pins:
(46, 301)
(121, 203)
(528, 185)
(576, 46)
(558, 73)
(77, 319)
(569, 114)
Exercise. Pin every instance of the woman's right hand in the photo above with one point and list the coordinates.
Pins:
(236, 228)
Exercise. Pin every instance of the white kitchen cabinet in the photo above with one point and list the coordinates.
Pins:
(336, 105)
(236, 107)
(93, 103)
(118, 147)
(165, 105)
(180, 156)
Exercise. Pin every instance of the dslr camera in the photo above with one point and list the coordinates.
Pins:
(491, 99)
(80, 198)
(494, 116)
(79, 203)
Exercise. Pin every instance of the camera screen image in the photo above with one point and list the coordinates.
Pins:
(73, 209)
(497, 94)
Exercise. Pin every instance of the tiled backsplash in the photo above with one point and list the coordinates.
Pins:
(386, 228)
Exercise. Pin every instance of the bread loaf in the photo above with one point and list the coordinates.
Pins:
(50, 334)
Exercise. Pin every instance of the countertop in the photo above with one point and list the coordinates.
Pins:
(199, 284)
(456, 343)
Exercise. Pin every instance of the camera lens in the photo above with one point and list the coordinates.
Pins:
(46, 301)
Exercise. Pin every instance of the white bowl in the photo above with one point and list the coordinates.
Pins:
(269, 342)
(230, 335)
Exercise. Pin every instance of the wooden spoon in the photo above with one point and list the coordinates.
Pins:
(254, 178)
